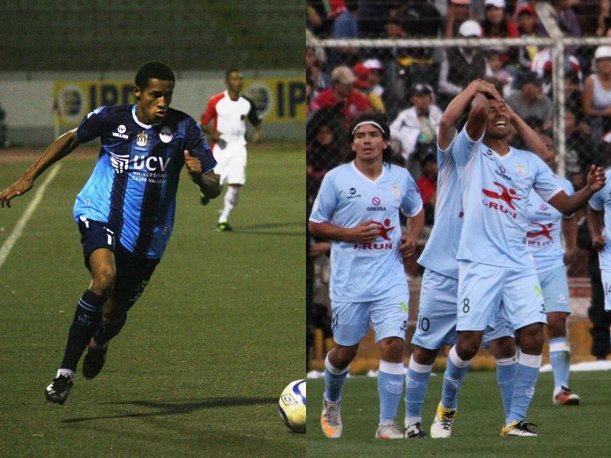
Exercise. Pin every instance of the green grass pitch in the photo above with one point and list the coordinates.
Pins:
(207, 350)
(564, 431)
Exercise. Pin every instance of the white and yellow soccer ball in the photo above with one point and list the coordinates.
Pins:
(292, 406)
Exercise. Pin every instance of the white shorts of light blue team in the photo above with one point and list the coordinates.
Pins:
(483, 288)
(605, 276)
(388, 317)
(555, 290)
(437, 313)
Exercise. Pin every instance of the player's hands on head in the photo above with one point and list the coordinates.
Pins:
(18, 188)
(598, 242)
(365, 232)
(487, 89)
(193, 164)
(407, 247)
(596, 178)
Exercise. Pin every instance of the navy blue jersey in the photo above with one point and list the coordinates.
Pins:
(133, 185)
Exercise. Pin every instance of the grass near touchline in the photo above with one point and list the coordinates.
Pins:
(206, 351)
(565, 431)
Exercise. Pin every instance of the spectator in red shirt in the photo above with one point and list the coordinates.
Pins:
(342, 91)
(427, 184)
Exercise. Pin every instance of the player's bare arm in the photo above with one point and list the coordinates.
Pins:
(596, 225)
(61, 147)
(569, 232)
(209, 183)
(408, 241)
(531, 138)
(365, 232)
(568, 205)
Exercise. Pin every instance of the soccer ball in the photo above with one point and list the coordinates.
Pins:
(292, 406)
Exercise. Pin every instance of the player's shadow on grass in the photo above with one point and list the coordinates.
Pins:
(272, 229)
(174, 408)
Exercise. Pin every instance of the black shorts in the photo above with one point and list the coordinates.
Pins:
(133, 271)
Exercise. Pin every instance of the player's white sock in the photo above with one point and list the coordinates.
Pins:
(527, 372)
(334, 381)
(560, 359)
(391, 377)
(456, 369)
(505, 375)
(62, 371)
(416, 385)
(230, 201)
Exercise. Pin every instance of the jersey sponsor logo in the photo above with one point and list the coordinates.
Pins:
(384, 228)
(151, 163)
(376, 201)
(506, 195)
(488, 154)
(166, 135)
(502, 172)
(121, 129)
(352, 194)
(544, 230)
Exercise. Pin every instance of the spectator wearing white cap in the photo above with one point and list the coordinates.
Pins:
(458, 11)
(376, 76)
(597, 92)
(461, 65)
(497, 24)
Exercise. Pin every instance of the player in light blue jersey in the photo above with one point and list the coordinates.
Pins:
(357, 208)
(437, 315)
(545, 226)
(125, 211)
(495, 267)
(599, 225)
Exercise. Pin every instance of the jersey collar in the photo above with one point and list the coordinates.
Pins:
(141, 124)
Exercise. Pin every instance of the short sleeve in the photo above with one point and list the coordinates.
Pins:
(326, 201)
(91, 125)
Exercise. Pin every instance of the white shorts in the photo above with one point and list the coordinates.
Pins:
(350, 323)
(231, 163)
(437, 314)
(483, 288)
(555, 290)
(605, 276)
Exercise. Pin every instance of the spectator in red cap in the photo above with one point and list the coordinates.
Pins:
(363, 83)
(527, 22)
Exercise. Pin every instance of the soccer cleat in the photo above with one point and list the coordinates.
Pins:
(331, 419)
(518, 429)
(388, 431)
(59, 389)
(565, 397)
(414, 431)
(224, 227)
(442, 426)
(204, 200)
(94, 360)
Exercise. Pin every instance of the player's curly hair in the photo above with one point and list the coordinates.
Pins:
(381, 120)
(157, 70)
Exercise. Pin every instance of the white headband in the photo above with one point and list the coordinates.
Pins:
(367, 122)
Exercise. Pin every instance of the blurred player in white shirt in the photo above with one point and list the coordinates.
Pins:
(357, 208)
(495, 268)
(229, 111)
(545, 226)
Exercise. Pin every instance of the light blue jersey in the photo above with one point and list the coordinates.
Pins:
(544, 229)
(601, 201)
(439, 254)
(495, 193)
(367, 272)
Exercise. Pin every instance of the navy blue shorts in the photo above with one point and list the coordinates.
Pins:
(133, 271)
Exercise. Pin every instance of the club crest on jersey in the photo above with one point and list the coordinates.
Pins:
(396, 191)
(142, 139)
(166, 135)
(520, 170)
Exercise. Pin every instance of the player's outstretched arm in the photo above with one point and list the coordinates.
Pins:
(61, 147)
(365, 232)
(595, 226)
(408, 241)
(570, 204)
(209, 184)
(531, 139)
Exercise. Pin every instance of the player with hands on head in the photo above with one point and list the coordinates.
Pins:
(125, 211)
(357, 209)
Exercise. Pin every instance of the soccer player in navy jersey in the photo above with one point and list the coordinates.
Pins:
(125, 211)
(228, 112)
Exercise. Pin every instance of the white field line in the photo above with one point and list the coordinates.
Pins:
(7, 246)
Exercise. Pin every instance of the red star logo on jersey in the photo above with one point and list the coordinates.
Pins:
(384, 228)
(506, 195)
(544, 231)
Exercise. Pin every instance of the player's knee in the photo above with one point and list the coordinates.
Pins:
(424, 356)
(392, 348)
(467, 345)
(556, 325)
(503, 348)
(531, 338)
(103, 281)
(341, 356)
